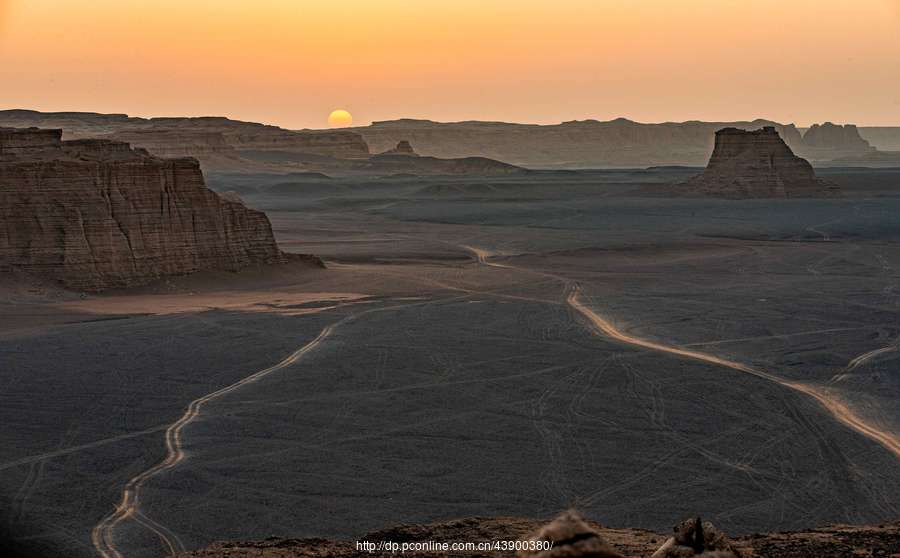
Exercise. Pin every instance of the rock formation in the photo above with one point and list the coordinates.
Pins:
(572, 537)
(222, 143)
(164, 142)
(403, 148)
(839, 138)
(215, 141)
(97, 214)
(694, 537)
(576, 144)
(757, 164)
(885, 138)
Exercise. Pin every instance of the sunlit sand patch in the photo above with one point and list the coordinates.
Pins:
(287, 303)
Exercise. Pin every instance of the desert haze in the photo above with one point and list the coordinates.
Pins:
(479, 279)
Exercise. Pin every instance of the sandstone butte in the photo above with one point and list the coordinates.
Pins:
(757, 164)
(97, 214)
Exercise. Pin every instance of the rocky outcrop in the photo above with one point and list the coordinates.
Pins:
(845, 139)
(570, 537)
(757, 164)
(97, 214)
(839, 541)
(403, 148)
(694, 537)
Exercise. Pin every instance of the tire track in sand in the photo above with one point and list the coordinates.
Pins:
(837, 409)
(840, 411)
(128, 507)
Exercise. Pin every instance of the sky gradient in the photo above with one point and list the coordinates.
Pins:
(291, 62)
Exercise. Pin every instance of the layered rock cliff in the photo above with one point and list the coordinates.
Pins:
(757, 164)
(97, 214)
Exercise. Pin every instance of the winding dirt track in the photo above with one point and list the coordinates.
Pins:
(866, 357)
(601, 325)
(128, 508)
(102, 534)
(838, 410)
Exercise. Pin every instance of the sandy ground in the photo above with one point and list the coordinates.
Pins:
(439, 368)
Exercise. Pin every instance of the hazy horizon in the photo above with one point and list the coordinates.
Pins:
(291, 63)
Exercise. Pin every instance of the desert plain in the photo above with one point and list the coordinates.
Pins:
(497, 346)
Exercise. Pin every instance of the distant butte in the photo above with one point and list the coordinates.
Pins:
(757, 164)
(403, 148)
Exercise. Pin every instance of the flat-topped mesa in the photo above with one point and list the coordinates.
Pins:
(97, 214)
(28, 141)
(177, 143)
(844, 138)
(757, 164)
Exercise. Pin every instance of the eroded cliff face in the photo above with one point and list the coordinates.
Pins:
(757, 164)
(97, 214)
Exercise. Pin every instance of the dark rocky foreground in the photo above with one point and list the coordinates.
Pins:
(97, 214)
(836, 541)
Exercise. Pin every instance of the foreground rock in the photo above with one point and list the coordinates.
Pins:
(97, 214)
(838, 541)
(571, 537)
(697, 538)
(757, 164)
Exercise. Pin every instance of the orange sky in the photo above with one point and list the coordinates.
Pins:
(290, 62)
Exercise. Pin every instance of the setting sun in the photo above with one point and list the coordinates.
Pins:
(340, 119)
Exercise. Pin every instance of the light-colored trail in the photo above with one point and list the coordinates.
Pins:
(102, 535)
(840, 411)
(75, 449)
(865, 357)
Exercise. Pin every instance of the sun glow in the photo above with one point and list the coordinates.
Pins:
(289, 63)
(340, 118)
